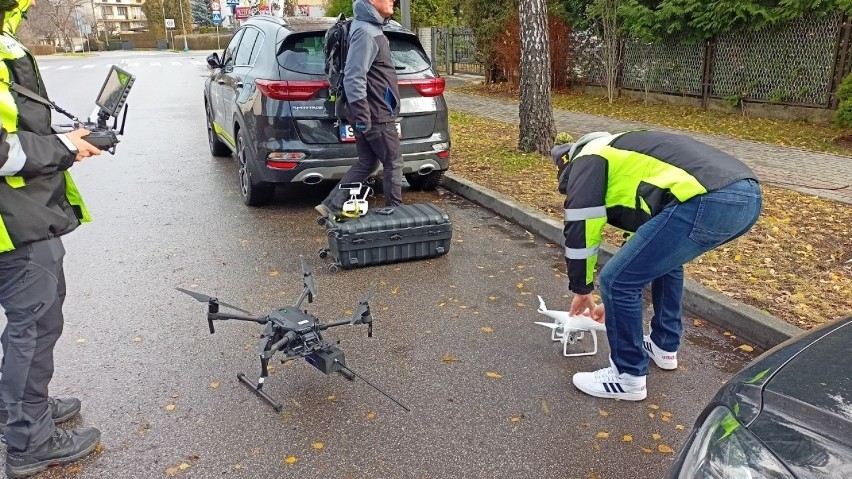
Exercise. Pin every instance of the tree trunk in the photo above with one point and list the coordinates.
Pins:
(536, 116)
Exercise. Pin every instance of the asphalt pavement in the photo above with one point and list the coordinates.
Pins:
(490, 394)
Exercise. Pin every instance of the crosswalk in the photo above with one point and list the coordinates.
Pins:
(124, 64)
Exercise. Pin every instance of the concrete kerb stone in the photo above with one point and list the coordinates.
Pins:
(746, 322)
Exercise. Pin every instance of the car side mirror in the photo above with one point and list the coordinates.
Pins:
(213, 61)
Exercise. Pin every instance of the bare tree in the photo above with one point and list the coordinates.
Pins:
(58, 16)
(605, 13)
(537, 130)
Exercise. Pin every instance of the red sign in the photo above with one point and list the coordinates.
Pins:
(214, 6)
(245, 12)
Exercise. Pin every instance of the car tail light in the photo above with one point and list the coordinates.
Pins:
(426, 86)
(284, 160)
(290, 90)
(444, 154)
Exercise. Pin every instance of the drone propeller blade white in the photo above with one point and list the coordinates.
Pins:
(542, 308)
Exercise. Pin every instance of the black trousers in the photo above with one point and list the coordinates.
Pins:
(380, 145)
(32, 290)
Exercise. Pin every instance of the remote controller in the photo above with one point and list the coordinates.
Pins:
(103, 139)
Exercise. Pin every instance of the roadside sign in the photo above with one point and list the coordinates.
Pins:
(217, 18)
(170, 23)
(214, 6)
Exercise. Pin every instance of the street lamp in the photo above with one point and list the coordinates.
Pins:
(183, 25)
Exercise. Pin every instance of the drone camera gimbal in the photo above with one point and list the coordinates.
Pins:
(296, 334)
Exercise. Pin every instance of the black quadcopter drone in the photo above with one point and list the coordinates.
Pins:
(296, 333)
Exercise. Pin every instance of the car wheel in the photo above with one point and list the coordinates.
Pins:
(254, 194)
(217, 148)
(429, 181)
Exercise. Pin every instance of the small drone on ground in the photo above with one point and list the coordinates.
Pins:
(570, 329)
(296, 333)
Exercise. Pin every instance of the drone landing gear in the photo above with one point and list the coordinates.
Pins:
(572, 337)
(262, 394)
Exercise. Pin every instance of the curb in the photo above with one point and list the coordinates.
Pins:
(744, 321)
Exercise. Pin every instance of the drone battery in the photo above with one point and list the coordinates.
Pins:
(324, 360)
(390, 235)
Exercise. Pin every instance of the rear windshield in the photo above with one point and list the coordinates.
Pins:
(303, 54)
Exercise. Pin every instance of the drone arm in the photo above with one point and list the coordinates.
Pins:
(238, 317)
(342, 322)
(290, 336)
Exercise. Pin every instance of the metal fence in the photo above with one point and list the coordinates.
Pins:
(800, 63)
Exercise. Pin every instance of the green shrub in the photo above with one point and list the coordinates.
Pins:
(843, 117)
(562, 138)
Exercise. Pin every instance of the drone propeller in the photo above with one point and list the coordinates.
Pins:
(550, 325)
(362, 311)
(308, 279)
(209, 299)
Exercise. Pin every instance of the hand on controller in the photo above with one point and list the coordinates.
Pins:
(84, 148)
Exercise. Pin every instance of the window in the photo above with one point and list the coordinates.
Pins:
(303, 54)
(243, 56)
(121, 11)
(106, 10)
(228, 55)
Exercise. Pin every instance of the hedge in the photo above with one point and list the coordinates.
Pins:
(205, 41)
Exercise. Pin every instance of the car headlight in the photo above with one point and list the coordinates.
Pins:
(724, 448)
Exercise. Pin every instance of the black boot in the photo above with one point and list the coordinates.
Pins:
(61, 409)
(65, 446)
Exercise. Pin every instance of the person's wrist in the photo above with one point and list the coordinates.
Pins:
(68, 143)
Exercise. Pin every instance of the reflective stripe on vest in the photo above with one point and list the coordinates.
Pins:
(73, 196)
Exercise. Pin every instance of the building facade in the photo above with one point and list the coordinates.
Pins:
(119, 15)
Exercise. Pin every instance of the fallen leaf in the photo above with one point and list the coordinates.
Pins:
(493, 375)
(214, 385)
(647, 450)
(665, 449)
(544, 407)
(80, 340)
(520, 285)
(331, 397)
(237, 467)
(603, 413)
(448, 358)
(486, 329)
(654, 407)
(317, 445)
(371, 415)
(698, 323)
(291, 460)
(170, 407)
(183, 466)
(137, 339)
(492, 298)
(75, 469)
(395, 290)
(171, 471)
(516, 419)
(726, 333)
(666, 418)
(602, 435)
(746, 348)
(273, 273)
(442, 305)
(520, 305)
(656, 436)
(651, 415)
(627, 438)
(679, 427)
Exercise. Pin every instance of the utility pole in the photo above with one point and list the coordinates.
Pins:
(405, 13)
(183, 25)
(165, 30)
(95, 21)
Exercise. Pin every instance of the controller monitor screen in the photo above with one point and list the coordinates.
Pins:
(114, 92)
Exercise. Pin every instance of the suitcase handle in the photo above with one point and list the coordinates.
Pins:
(387, 210)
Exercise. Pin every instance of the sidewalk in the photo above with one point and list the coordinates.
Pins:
(825, 175)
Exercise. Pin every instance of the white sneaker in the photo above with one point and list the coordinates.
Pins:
(608, 383)
(663, 359)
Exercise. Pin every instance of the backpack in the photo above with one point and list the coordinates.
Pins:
(334, 51)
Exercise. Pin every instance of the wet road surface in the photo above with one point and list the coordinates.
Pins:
(455, 340)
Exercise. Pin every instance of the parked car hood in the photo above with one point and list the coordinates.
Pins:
(797, 399)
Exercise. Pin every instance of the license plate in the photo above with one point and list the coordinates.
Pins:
(347, 133)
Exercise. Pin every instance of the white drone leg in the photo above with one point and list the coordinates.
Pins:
(592, 352)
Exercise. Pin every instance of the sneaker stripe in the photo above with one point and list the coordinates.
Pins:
(618, 385)
(606, 387)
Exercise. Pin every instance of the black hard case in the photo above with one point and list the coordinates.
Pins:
(390, 235)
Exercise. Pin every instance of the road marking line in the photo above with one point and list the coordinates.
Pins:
(88, 66)
(133, 64)
(46, 68)
(196, 62)
(177, 63)
(64, 67)
(155, 64)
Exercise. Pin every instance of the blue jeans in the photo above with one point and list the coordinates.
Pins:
(656, 254)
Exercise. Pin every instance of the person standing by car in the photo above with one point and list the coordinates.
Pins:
(372, 95)
(38, 204)
(680, 198)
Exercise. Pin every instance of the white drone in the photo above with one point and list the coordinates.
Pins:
(356, 205)
(570, 329)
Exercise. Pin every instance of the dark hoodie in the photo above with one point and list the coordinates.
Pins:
(370, 78)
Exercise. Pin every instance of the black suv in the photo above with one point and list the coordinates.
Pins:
(267, 101)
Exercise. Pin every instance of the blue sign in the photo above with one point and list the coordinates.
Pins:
(217, 18)
(233, 2)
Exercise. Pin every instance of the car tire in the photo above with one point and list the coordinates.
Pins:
(429, 181)
(254, 194)
(217, 148)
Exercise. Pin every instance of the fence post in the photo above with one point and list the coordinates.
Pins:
(842, 65)
(707, 73)
(448, 51)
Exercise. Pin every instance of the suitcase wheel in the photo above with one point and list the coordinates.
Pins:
(334, 267)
